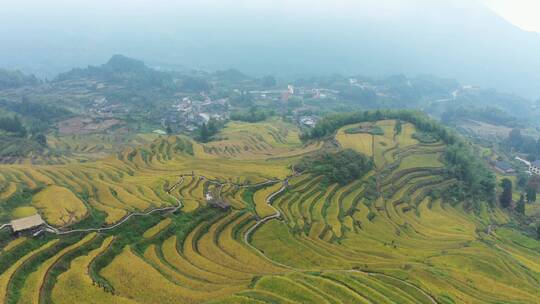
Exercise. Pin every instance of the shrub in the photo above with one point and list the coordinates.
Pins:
(425, 138)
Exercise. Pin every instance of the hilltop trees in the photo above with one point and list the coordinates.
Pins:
(332, 122)
(124, 71)
(461, 161)
(506, 196)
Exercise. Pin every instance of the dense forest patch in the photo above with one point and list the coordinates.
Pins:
(340, 167)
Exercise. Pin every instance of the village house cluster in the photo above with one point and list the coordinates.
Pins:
(533, 167)
(190, 112)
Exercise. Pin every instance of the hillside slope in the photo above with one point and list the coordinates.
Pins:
(251, 231)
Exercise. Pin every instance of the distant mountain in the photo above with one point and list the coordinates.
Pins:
(232, 75)
(455, 39)
(121, 70)
(458, 39)
(15, 79)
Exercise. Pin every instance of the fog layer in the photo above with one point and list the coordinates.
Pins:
(458, 39)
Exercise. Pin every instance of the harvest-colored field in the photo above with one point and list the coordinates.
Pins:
(59, 206)
(384, 238)
(360, 142)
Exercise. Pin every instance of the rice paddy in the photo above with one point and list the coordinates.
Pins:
(281, 237)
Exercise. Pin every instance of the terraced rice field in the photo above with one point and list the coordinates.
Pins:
(59, 205)
(257, 141)
(386, 238)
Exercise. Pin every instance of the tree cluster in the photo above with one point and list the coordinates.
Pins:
(506, 196)
(36, 110)
(15, 79)
(242, 100)
(206, 131)
(13, 125)
(253, 115)
(332, 122)
(532, 187)
(122, 70)
(341, 167)
(523, 143)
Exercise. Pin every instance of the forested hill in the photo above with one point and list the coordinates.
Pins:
(15, 79)
(121, 70)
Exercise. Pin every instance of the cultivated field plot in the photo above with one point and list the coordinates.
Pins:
(239, 226)
(257, 141)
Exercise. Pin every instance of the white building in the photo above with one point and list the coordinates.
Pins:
(205, 117)
(290, 88)
(534, 168)
(159, 132)
(308, 121)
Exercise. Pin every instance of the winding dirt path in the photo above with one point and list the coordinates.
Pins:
(179, 205)
(171, 209)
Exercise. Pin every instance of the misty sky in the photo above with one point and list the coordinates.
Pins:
(522, 13)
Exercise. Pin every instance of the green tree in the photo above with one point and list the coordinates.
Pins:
(212, 126)
(341, 167)
(515, 139)
(531, 195)
(506, 196)
(522, 180)
(13, 125)
(204, 134)
(398, 127)
(41, 139)
(520, 207)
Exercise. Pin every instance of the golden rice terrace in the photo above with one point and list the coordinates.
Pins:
(233, 221)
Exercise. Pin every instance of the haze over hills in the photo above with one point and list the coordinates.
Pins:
(464, 40)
